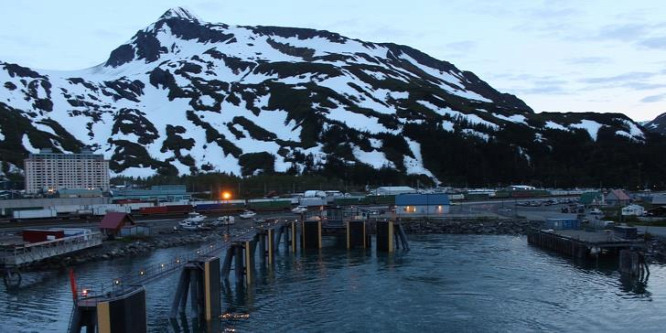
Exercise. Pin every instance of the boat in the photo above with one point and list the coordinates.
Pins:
(195, 217)
(299, 210)
(224, 220)
(189, 225)
(248, 214)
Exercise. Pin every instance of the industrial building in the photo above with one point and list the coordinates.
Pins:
(48, 172)
(393, 190)
(157, 193)
(422, 204)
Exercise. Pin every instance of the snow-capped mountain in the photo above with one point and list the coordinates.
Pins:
(186, 96)
(658, 125)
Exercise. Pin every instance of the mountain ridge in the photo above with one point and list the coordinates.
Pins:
(184, 96)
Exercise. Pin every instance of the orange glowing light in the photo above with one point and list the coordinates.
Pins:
(226, 195)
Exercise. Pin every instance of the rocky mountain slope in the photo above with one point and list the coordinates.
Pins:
(186, 96)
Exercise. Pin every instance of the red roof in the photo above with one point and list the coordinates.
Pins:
(620, 195)
(115, 220)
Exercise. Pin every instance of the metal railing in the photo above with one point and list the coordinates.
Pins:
(91, 294)
(23, 254)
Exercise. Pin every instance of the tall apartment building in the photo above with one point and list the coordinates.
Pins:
(48, 171)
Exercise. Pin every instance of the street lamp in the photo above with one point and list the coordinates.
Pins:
(226, 195)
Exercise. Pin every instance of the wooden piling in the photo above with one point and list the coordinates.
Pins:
(385, 240)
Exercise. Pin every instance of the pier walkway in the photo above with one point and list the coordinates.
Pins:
(18, 255)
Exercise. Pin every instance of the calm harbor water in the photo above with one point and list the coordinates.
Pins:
(446, 283)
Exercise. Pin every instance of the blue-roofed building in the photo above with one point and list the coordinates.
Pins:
(422, 204)
(161, 193)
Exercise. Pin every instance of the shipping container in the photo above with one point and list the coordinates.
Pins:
(379, 200)
(67, 209)
(137, 205)
(176, 203)
(10, 211)
(34, 214)
(562, 223)
(178, 209)
(347, 201)
(41, 235)
(153, 210)
(126, 201)
(312, 201)
(271, 205)
(219, 208)
(99, 210)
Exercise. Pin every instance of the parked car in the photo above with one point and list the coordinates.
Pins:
(596, 211)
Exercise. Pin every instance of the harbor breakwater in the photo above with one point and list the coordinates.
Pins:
(469, 226)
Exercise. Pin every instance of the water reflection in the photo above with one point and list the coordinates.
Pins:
(608, 267)
(183, 324)
(512, 286)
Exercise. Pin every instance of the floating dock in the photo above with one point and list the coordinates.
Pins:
(581, 243)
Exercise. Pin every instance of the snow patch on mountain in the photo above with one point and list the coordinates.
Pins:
(357, 121)
(28, 145)
(592, 127)
(555, 126)
(375, 159)
(516, 118)
(415, 165)
(447, 126)
(470, 132)
(454, 86)
(634, 130)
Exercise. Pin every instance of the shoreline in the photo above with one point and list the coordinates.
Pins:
(167, 238)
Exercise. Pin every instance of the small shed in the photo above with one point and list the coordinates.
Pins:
(113, 222)
(617, 197)
(422, 204)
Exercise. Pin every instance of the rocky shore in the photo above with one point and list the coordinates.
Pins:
(471, 227)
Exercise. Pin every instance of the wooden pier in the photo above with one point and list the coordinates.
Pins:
(203, 272)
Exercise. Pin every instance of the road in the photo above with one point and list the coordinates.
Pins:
(657, 231)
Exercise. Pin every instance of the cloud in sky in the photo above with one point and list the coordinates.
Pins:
(654, 43)
(622, 32)
(619, 79)
(589, 60)
(654, 98)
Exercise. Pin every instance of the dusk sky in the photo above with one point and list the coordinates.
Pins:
(558, 55)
